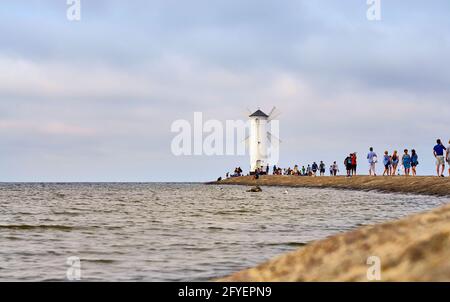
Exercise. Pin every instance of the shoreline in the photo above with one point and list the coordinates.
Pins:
(414, 248)
(420, 185)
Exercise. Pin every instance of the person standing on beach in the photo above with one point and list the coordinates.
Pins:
(387, 164)
(314, 168)
(406, 161)
(335, 168)
(348, 165)
(373, 159)
(414, 162)
(395, 161)
(448, 157)
(354, 164)
(438, 152)
(322, 168)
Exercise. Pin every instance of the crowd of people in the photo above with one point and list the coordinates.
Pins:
(394, 164)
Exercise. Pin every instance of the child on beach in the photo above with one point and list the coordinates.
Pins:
(414, 162)
(387, 164)
(406, 161)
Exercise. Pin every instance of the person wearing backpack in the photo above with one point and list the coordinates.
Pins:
(348, 165)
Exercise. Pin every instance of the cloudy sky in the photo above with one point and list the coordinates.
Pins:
(94, 100)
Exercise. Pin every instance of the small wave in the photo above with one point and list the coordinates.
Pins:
(100, 261)
(295, 244)
(37, 227)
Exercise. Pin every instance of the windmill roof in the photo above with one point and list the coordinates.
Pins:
(259, 113)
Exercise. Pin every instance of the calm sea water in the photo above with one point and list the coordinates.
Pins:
(172, 232)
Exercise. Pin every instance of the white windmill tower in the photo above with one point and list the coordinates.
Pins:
(260, 139)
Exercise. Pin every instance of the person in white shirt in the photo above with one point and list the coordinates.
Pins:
(372, 158)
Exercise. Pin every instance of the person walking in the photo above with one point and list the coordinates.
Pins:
(414, 162)
(315, 167)
(406, 162)
(322, 168)
(395, 160)
(387, 164)
(448, 157)
(373, 159)
(438, 152)
(335, 168)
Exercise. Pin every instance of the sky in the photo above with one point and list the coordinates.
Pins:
(94, 100)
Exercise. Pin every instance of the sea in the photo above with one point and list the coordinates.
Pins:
(172, 231)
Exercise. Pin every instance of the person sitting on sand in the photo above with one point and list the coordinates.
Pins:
(395, 160)
(303, 171)
(308, 170)
(414, 162)
(387, 164)
(438, 152)
(373, 159)
(406, 162)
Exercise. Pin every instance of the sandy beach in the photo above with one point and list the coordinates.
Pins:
(416, 248)
(423, 185)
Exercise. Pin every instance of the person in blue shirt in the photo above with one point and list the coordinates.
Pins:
(438, 152)
(406, 161)
(414, 162)
(387, 164)
(372, 158)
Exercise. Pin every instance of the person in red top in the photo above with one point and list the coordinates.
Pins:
(354, 164)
